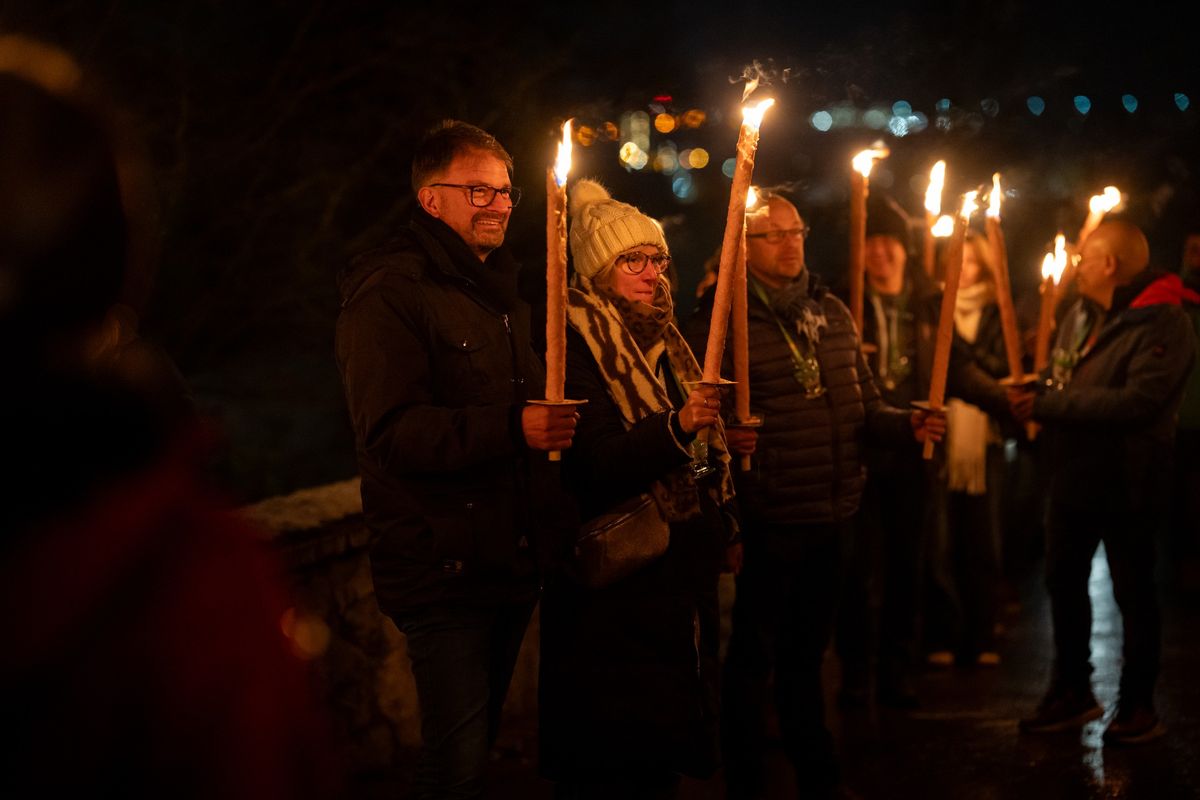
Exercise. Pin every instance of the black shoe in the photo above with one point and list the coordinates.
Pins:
(1062, 710)
(1133, 724)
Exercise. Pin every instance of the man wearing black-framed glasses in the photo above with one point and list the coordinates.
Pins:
(434, 347)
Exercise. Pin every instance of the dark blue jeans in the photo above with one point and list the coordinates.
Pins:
(462, 659)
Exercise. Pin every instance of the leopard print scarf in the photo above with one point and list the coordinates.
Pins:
(615, 338)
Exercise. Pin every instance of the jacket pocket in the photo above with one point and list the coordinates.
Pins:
(464, 363)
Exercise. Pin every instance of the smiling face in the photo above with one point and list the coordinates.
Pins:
(481, 228)
(638, 288)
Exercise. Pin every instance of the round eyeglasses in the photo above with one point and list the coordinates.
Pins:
(635, 263)
(481, 195)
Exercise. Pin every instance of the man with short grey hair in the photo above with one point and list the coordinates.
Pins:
(434, 348)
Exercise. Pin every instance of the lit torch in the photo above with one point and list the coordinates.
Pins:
(741, 336)
(556, 276)
(1053, 266)
(1098, 206)
(859, 183)
(945, 329)
(735, 224)
(1004, 299)
(933, 207)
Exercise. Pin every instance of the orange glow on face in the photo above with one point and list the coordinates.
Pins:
(752, 116)
(933, 195)
(562, 164)
(994, 198)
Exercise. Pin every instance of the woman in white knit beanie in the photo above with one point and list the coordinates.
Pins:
(629, 671)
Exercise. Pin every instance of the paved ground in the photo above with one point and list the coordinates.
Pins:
(963, 741)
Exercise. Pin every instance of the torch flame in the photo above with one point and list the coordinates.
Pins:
(1048, 266)
(969, 206)
(944, 227)
(863, 162)
(751, 198)
(1058, 260)
(1104, 203)
(994, 198)
(562, 164)
(933, 195)
(752, 117)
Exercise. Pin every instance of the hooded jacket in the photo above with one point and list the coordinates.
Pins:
(1113, 423)
(434, 351)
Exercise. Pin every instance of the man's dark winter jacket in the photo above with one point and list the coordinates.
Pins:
(433, 346)
(1113, 424)
(808, 466)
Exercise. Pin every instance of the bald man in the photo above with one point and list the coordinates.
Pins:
(1111, 396)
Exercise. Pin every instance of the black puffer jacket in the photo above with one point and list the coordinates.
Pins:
(808, 465)
(433, 347)
(1112, 426)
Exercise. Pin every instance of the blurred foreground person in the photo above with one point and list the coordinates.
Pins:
(143, 654)
(628, 692)
(1118, 368)
(433, 344)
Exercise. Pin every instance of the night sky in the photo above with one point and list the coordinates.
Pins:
(279, 136)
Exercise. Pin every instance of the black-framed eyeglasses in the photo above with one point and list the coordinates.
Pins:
(635, 263)
(481, 195)
(775, 237)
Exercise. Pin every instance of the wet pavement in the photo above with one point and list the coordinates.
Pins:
(963, 743)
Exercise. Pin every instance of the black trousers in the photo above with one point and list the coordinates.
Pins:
(1073, 533)
(783, 614)
(880, 610)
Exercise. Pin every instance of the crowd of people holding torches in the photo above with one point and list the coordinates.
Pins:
(842, 454)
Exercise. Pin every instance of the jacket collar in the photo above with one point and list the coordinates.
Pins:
(495, 278)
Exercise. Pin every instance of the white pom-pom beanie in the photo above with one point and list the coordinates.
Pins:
(603, 228)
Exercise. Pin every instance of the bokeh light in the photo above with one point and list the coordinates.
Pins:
(682, 186)
(1182, 101)
(943, 105)
(1130, 102)
(876, 118)
(821, 120)
(664, 123)
(901, 108)
(990, 106)
(1083, 104)
(727, 167)
(1036, 105)
(698, 158)
(633, 157)
(692, 118)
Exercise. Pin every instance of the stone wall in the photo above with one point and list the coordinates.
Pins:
(357, 653)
